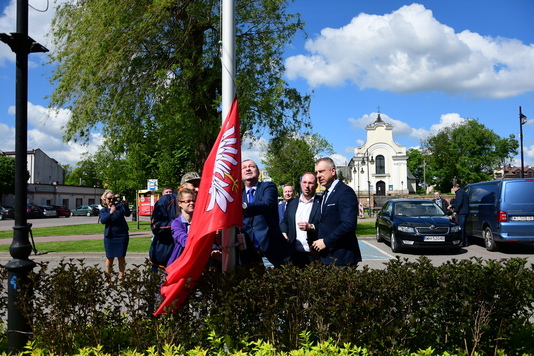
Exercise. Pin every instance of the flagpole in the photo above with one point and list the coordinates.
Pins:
(228, 95)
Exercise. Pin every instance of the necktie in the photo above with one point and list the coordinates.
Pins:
(250, 194)
(325, 195)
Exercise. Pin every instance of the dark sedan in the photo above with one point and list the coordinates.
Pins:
(33, 211)
(7, 212)
(412, 223)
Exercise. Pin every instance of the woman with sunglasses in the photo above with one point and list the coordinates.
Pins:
(116, 236)
(180, 226)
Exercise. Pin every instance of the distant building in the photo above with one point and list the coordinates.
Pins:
(508, 172)
(379, 167)
(42, 169)
(46, 184)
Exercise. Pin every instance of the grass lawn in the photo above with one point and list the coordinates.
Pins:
(83, 229)
(136, 245)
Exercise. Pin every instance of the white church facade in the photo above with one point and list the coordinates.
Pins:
(378, 169)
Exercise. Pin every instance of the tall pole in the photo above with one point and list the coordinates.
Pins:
(228, 95)
(522, 121)
(18, 327)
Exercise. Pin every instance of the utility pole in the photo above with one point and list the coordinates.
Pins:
(18, 327)
(522, 121)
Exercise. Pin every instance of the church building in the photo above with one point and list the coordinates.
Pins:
(378, 168)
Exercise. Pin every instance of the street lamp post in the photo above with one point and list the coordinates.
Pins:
(369, 160)
(522, 121)
(18, 327)
(356, 170)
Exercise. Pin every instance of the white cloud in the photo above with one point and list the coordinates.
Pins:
(401, 128)
(254, 148)
(40, 15)
(47, 134)
(410, 51)
(339, 159)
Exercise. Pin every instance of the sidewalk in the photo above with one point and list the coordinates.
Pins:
(98, 258)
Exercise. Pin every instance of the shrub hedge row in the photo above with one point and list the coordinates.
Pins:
(462, 306)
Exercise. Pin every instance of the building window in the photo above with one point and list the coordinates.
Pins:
(380, 165)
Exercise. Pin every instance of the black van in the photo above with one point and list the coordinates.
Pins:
(501, 210)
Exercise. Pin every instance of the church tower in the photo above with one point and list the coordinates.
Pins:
(379, 170)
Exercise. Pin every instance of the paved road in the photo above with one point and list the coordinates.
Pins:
(375, 254)
(7, 224)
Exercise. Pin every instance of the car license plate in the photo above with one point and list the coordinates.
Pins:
(435, 238)
(522, 218)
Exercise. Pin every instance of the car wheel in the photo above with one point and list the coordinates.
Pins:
(71, 213)
(395, 247)
(489, 241)
(378, 237)
(1, 217)
(88, 213)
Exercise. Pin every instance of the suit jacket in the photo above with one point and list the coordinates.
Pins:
(115, 224)
(288, 224)
(261, 221)
(281, 210)
(444, 203)
(461, 202)
(337, 227)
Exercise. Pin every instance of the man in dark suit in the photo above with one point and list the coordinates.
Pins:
(288, 193)
(337, 242)
(461, 210)
(260, 219)
(300, 220)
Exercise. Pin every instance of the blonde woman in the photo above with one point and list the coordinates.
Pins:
(116, 236)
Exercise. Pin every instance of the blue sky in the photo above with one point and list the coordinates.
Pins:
(426, 64)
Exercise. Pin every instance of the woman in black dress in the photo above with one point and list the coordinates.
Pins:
(116, 236)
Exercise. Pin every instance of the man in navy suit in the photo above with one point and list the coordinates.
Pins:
(288, 192)
(300, 218)
(260, 218)
(337, 242)
(461, 210)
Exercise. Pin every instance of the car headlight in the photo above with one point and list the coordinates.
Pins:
(407, 229)
(456, 228)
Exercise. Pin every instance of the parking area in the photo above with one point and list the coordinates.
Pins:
(375, 254)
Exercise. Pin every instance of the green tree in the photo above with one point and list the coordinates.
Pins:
(418, 164)
(87, 173)
(289, 156)
(7, 175)
(147, 74)
(467, 151)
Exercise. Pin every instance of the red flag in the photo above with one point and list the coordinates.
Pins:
(218, 207)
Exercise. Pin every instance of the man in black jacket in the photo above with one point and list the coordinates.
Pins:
(461, 210)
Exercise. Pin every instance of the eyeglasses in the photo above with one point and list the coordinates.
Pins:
(187, 201)
(109, 198)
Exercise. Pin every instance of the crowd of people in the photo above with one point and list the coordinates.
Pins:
(299, 230)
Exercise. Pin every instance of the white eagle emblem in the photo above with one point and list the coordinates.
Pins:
(225, 162)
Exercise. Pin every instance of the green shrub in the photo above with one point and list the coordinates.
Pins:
(461, 307)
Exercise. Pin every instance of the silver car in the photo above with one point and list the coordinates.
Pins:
(49, 211)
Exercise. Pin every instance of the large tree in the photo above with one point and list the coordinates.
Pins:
(468, 152)
(147, 74)
(289, 156)
(7, 175)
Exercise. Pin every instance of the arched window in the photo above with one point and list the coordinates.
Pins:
(380, 165)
